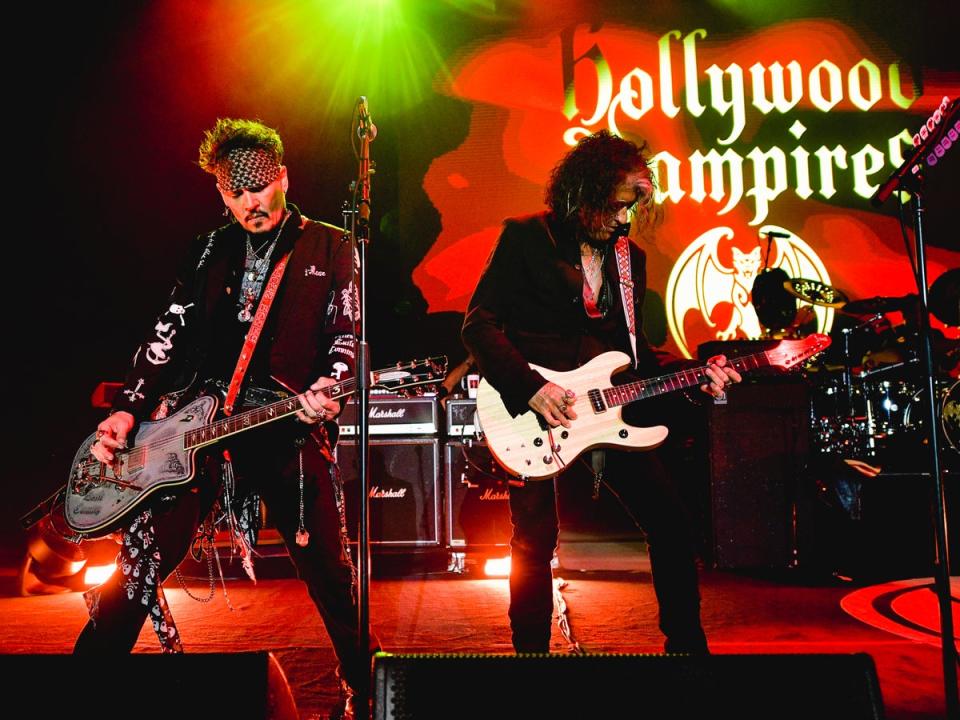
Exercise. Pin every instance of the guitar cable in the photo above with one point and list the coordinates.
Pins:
(485, 473)
(553, 450)
(599, 481)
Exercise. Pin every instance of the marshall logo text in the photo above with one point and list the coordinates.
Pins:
(378, 492)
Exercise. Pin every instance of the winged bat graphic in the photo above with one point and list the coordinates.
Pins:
(713, 279)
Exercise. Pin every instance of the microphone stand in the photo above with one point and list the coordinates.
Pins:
(947, 642)
(360, 234)
(904, 176)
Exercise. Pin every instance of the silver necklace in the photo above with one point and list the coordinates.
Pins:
(256, 266)
(254, 261)
(254, 272)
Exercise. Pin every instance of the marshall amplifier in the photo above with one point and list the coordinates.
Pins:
(404, 490)
(477, 497)
(462, 419)
(393, 415)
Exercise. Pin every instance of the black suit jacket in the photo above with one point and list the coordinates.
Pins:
(528, 308)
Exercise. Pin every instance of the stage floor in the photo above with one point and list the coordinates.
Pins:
(610, 606)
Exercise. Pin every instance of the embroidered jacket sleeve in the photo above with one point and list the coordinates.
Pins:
(343, 313)
(167, 344)
(483, 327)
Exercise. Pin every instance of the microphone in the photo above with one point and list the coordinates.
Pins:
(932, 146)
(775, 234)
(367, 128)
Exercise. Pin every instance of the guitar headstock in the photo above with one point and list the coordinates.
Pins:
(413, 377)
(790, 353)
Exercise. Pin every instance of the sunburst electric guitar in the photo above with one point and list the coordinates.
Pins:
(526, 447)
(100, 497)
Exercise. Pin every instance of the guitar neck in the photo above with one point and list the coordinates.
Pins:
(651, 387)
(250, 419)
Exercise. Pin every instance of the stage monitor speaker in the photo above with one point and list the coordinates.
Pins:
(785, 687)
(248, 685)
(758, 443)
(404, 490)
(477, 497)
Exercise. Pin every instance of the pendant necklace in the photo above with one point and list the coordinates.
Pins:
(255, 271)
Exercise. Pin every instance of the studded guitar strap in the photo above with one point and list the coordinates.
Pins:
(250, 343)
(622, 249)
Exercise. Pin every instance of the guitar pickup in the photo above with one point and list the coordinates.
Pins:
(596, 401)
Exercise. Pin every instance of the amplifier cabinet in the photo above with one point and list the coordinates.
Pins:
(758, 450)
(477, 497)
(404, 490)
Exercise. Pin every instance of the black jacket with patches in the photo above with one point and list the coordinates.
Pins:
(309, 331)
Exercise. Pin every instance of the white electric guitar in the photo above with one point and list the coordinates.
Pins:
(530, 449)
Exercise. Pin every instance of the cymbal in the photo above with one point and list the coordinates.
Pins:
(870, 306)
(815, 292)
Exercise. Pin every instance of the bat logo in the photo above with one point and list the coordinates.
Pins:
(708, 291)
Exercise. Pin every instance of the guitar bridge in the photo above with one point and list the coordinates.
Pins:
(94, 474)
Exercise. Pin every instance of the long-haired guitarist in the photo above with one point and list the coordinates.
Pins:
(562, 287)
(305, 344)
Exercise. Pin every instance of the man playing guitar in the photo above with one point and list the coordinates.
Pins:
(560, 288)
(220, 297)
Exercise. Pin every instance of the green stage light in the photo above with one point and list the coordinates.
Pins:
(379, 48)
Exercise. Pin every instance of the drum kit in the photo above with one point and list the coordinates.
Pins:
(867, 391)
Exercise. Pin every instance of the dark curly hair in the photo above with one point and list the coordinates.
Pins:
(586, 177)
(229, 134)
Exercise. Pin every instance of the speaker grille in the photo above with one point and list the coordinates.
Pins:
(615, 686)
(404, 490)
(758, 448)
(477, 505)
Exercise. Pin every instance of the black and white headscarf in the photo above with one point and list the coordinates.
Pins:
(246, 168)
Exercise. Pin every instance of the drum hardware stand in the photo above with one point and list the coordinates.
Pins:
(905, 178)
(847, 369)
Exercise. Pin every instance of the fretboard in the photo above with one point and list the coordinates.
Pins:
(639, 389)
(258, 416)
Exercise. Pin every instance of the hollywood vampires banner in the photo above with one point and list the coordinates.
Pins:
(789, 128)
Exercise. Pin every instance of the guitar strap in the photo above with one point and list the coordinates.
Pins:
(250, 343)
(622, 249)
